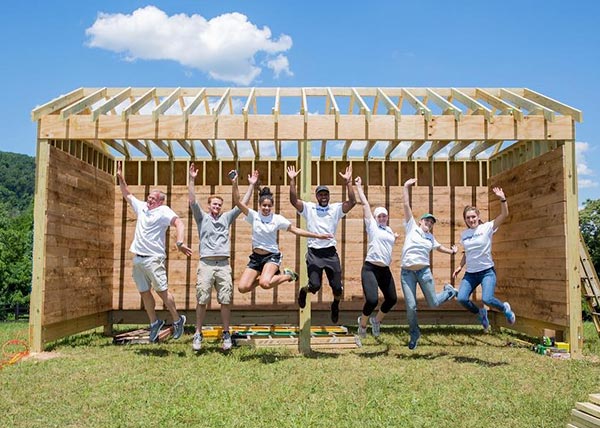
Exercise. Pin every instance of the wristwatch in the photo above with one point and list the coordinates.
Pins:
(179, 244)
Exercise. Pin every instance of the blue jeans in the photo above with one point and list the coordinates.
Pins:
(424, 278)
(487, 279)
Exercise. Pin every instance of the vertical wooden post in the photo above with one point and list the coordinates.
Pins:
(575, 332)
(304, 323)
(36, 304)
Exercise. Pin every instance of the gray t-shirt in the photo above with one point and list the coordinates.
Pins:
(214, 234)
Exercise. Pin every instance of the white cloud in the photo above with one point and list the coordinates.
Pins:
(583, 170)
(585, 183)
(279, 65)
(225, 47)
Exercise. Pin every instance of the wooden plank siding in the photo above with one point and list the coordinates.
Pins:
(530, 246)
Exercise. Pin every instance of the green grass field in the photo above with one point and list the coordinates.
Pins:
(457, 377)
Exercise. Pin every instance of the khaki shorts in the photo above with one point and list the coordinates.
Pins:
(217, 273)
(150, 271)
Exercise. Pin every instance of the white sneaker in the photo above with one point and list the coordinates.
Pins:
(197, 342)
(362, 331)
(375, 326)
(227, 342)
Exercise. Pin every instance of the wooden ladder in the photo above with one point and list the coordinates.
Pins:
(590, 285)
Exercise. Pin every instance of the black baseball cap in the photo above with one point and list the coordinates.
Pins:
(322, 189)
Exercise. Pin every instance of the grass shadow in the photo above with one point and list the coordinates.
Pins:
(479, 362)
(158, 352)
(422, 355)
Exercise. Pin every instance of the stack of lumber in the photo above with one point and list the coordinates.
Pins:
(322, 337)
(140, 336)
(586, 415)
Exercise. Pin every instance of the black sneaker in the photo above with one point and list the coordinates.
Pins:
(335, 311)
(302, 298)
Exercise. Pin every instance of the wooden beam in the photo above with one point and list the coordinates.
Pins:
(446, 106)
(83, 103)
(276, 108)
(165, 104)
(194, 104)
(210, 148)
(111, 103)
(368, 148)
(135, 106)
(364, 109)
(233, 148)
(188, 147)
(577, 115)
(499, 104)
(323, 149)
(304, 105)
(390, 148)
(121, 148)
(165, 147)
(472, 104)
(334, 107)
(416, 145)
(482, 146)
(222, 102)
(249, 102)
(391, 107)
(255, 148)
(277, 149)
(531, 106)
(436, 146)
(57, 103)
(347, 145)
(141, 147)
(417, 104)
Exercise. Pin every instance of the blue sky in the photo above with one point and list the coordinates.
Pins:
(552, 47)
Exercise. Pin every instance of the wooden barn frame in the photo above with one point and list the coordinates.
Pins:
(459, 143)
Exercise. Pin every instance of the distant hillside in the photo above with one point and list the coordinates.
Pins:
(17, 181)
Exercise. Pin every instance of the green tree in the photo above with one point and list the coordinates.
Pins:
(589, 224)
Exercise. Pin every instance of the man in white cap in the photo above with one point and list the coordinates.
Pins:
(322, 218)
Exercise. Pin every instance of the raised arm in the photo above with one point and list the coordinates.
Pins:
(181, 246)
(348, 204)
(192, 179)
(503, 206)
(406, 198)
(122, 184)
(252, 180)
(363, 199)
(452, 250)
(292, 174)
(235, 193)
(301, 232)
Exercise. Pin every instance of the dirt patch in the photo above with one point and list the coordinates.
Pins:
(42, 356)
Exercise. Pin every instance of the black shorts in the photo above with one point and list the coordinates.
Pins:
(324, 259)
(258, 261)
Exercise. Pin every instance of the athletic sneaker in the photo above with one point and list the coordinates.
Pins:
(483, 318)
(375, 326)
(414, 339)
(155, 329)
(178, 327)
(293, 275)
(362, 331)
(227, 342)
(335, 311)
(302, 297)
(509, 314)
(197, 342)
(453, 291)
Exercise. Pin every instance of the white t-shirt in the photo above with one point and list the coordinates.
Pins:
(322, 220)
(417, 245)
(150, 228)
(381, 243)
(264, 230)
(478, 247)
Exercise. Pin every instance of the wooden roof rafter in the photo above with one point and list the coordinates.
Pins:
(482, 146)
(57, 104)
(390, 148)
(499, 104)
(121, 148)
(216, 111)
(210, 148)
(553, 104)
(188, 146)
(141, 147)
(458, 147)
(86, 102)
(446, 106)
(436, 147)
(333, 109)
(111, 104)
(391, 107)
(233, 148)
(416, 145)
(193, 105)
(276, 110)
(251, 100)
(164, 146)
(529, 105)
(364, 108)
(166, 104)
(475, 106)
(421, 108)
(135, 106)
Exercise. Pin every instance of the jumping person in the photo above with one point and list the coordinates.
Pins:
(265, 260)
(153, 220)
(477, 242)
(376, 273)
(322, 255)
(418, 243)
(215, 247)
